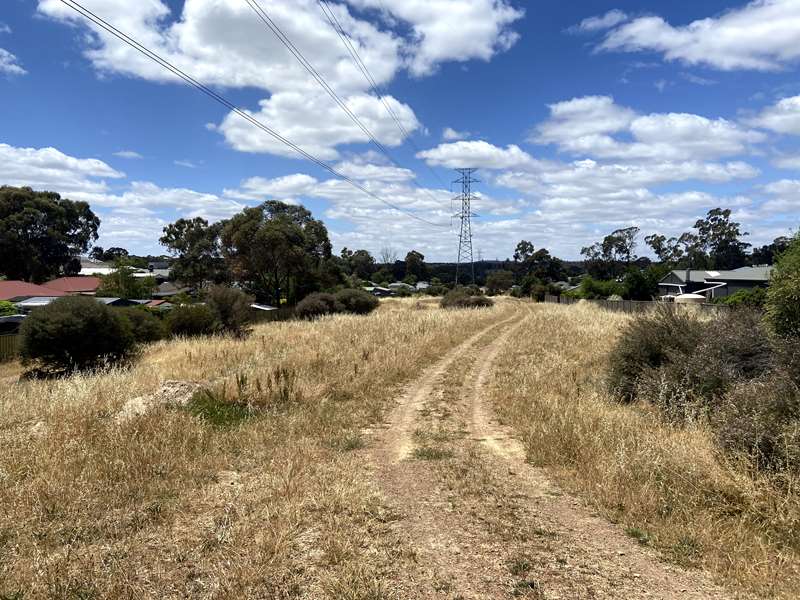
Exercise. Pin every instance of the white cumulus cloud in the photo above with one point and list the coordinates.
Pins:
(599, 22)
(763, 35)
(782, 117)
(478, 153)
(9, 64)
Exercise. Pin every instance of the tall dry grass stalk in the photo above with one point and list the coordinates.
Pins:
(166, 504)
(670, 487)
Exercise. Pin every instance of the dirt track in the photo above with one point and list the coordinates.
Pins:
(478, 521)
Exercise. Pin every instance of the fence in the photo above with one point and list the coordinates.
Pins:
(9, 346)
(635, 306)
(281, 314)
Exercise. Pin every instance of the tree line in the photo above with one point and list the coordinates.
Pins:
(280, 253)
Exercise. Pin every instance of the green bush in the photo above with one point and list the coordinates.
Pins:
(596, 289)
(231, 307)
(783, 294)
(145, 326)
(75, 332)
(192, 319)
(316, 305)
(7, 308)
(461, 297)
(357, 301)
(753, 298)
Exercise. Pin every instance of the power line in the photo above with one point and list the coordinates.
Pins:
(262, 14)
(89, 15)
(330, 15)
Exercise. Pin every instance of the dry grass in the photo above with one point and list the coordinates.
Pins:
(669, 487)
(270, 504)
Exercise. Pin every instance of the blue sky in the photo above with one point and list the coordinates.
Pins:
(581, 116)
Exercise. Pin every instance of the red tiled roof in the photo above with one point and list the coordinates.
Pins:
(11, 290)
(74, 285)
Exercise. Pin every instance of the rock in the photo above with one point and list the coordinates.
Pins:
(172, 393)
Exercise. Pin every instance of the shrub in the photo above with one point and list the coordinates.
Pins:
(75, 332)
(693, 379)
(7, 308)
(760, 418)
(231, 307)
(460, 298)
(783, 294)
(316, 305)
(646, 343)
(357, 301)
(191, 320)
(754, 298)
(595, 289)
(145, 326)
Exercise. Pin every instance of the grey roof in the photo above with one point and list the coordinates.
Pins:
(746, 274)
(37, 301)
(741, 274)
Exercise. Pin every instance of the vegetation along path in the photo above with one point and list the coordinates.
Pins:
(474, 520)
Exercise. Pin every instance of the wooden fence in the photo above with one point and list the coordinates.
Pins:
(635, 306)
(9, 346)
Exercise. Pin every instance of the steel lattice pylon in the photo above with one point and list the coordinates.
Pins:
(465, 236)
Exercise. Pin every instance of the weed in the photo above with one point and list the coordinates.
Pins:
(639, 535)
(212, 406)
(432, 453)
(519, 567)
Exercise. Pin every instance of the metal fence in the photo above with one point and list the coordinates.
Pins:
(9, 346)
(635, 306)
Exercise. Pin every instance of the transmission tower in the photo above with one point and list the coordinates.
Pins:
(465, 236)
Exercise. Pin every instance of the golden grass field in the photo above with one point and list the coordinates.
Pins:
(669, 487)
(93, 508)
(282, 505)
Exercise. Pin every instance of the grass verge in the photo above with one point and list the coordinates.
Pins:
(671, 486)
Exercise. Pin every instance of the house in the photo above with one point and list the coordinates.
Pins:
(28, 304)
(168, 288)
(160, 275)
(14, 291)
(714, 284)
(158, 304)
(117, 302)
(89, 266)
(74, 286)
(399, 285)
(380, 292)
(422, 285)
